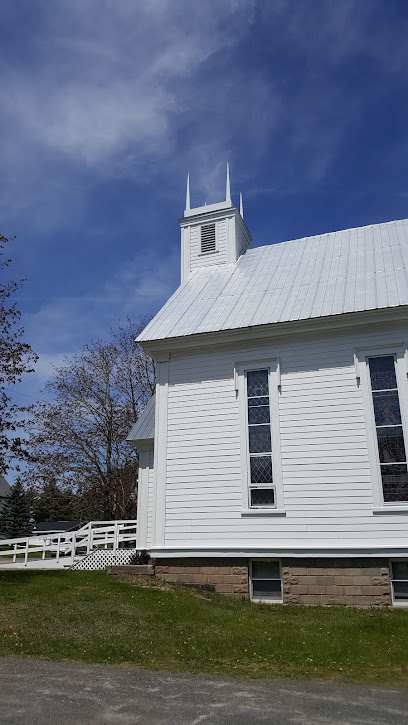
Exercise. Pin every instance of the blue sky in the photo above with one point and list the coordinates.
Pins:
(106, 104)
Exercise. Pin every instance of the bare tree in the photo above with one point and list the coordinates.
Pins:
(16, 358)
(78, 438)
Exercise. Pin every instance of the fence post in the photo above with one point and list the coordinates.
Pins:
(26, 552)
(15, 553)
(116, 536)
(43, 551)
(73, 547)
(57, 558)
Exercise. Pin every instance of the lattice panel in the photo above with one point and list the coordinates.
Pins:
(101, 558)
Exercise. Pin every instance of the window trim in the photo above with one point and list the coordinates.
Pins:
(241, 368)
(399, 351)
(258, 600)
(396, 603)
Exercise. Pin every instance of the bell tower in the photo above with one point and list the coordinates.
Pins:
(214, 234)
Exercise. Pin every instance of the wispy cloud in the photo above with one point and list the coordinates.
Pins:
(104, 86)
(105, 105)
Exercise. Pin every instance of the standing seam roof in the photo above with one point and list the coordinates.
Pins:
(347, 271)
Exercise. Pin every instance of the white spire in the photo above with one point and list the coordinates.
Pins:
(241, 206)
(228, 188)
(188, 193)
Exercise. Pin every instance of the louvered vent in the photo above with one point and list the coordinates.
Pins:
(208, 238)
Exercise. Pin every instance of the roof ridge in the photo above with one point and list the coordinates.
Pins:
(324, 234)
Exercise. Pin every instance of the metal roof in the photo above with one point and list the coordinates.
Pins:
(4, 487)
(329, 274)
(143, 429)
(57, 526)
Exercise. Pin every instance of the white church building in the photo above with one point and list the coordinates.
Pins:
(273, 454)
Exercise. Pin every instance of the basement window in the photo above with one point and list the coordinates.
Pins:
(399, 581)
(208, 242)
(266, 581)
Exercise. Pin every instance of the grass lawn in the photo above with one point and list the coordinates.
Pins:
(91, 617)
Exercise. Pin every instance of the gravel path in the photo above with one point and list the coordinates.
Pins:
(35, 692)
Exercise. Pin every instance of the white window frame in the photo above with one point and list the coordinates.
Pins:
(272, 365)
(399, 351)
(396, 602)
(258, 600)
(212, 251)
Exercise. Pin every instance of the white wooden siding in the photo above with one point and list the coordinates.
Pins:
(242, 241)
(326, 475)
(213, 258)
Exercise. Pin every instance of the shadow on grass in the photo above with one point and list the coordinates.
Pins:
(18, 578)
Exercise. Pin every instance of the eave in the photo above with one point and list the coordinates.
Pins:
(331, 325)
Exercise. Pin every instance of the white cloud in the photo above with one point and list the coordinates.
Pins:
(111, 76)
(138, 89)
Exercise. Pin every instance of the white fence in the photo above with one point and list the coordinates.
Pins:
(58, 550)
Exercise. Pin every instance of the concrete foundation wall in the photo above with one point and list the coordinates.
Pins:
(227, 576)
(358, 582)
(352, 582)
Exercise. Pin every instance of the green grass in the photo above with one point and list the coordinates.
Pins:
(91, 617)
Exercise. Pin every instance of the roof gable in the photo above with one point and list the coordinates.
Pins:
(4, 487)
(330, 274)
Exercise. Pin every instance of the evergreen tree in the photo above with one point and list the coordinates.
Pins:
(15, 516)
(53, 503)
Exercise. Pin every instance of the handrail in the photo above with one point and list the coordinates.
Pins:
(93, 535)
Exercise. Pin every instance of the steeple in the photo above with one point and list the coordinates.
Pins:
(213, 234)
(188, 193)
(228, 187)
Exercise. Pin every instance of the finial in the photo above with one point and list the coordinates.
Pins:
(228, 188)
(188, 193)
(241, 206)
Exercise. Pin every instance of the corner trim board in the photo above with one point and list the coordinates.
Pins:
(142, 499)
(160, 452)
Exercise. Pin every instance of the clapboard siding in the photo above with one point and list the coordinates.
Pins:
(242, 240)
(325, 466)
(206, 260)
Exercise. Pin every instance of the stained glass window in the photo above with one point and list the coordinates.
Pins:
(390, 435)
(261, 493)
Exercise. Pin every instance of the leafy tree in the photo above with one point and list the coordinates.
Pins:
(15, 516)
(16, 358)
(78, 439)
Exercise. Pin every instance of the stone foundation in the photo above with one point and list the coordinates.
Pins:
(136, 570)
(357, 582)
(227, 576)
(351, 582)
